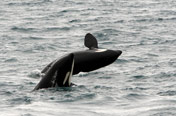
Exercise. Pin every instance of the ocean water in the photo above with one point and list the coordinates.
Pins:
(142, 82)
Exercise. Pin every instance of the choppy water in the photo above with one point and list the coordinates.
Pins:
(142, 82)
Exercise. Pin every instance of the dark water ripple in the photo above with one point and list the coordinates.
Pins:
(167, 93)
(21, 29)
(30, 3)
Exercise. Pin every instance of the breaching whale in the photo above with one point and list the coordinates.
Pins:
(59, 72)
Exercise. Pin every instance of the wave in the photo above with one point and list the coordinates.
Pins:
(105, 77)
(167, 42)
(57, 29)
(122, 61)
(22, 29)
(167, 93)
(165, 74)
(75, 21)
(139, 77)
(154, 19)
(67, 94)
(37, 30)
(134, 96)
(152, 55)
(35, 74)
(36, 38)
(172, 62)
(30, 3)
(17, 100)
(11, 60)
(101, 87)
(80, 97)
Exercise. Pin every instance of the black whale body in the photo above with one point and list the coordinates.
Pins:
(86, 61)
(59, 72)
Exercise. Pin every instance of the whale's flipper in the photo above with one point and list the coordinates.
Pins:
(90, 41)
(63, 78)
(58, 73)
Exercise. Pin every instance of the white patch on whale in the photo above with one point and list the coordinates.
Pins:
(101, 50)
(68, 75)
(69, 81)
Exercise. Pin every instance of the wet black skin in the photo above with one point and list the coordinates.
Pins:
(58, 71)
(84, 61)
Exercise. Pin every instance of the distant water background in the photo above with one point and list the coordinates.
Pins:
(142, 82)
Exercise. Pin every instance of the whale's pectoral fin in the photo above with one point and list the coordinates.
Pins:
(90, 41)
(64, 75)
(59, 73)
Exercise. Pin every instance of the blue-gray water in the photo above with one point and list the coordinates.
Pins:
(142, 82)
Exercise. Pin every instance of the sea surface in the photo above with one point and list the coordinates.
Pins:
(142, 82)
